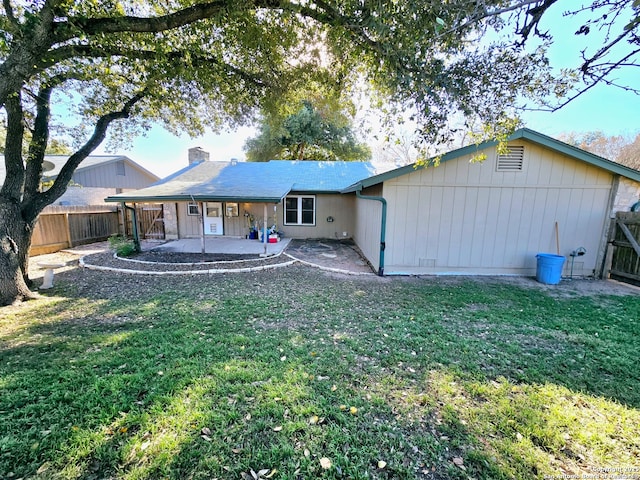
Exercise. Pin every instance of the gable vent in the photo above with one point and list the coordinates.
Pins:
(511, 161)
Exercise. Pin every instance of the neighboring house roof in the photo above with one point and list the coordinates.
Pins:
(250, 181)
(523, 133)
(91, 161)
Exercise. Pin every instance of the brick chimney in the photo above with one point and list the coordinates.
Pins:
(196, 154)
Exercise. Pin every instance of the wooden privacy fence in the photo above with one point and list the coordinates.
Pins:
(625, 238)
(65, 227)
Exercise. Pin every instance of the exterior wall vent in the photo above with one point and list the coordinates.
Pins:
(512, 161)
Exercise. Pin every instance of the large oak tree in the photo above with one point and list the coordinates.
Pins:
(121, 65)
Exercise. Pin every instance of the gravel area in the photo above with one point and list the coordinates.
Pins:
(99, 255)
(178, 262)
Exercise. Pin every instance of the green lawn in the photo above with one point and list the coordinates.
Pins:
(294, 373)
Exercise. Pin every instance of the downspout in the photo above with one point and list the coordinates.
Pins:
(134, 222)
(383, 226)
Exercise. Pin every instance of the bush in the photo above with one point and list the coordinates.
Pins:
(122, 245)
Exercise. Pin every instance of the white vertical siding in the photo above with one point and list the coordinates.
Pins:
(367, 225)
(468, 218)
(189, 226)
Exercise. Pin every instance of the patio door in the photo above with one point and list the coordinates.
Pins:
(213, 223)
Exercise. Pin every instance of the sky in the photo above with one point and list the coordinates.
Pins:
(605, 108)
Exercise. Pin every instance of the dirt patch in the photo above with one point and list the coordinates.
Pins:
(161, 256)
(336, 254)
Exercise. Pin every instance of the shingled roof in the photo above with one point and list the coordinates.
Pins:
(250, 181)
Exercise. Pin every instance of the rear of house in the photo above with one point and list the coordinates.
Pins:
(299, 199)
(493, 217)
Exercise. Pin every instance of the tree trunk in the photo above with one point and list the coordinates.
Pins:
(15, 234)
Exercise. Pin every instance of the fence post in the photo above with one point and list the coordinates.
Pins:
(67, 227)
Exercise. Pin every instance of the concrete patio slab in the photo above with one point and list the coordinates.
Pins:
(225, 245)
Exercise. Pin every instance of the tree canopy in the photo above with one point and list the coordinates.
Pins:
(119, 66)
(307, 134)
(624, 149)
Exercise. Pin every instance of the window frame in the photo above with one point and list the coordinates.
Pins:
(189, 211)
(299, 210)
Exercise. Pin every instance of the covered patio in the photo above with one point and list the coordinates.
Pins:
(222, 245)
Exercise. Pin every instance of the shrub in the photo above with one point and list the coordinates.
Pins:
(122, 245)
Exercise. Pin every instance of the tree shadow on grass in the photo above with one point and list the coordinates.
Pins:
(120, 384)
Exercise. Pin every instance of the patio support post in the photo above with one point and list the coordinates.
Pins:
(265, 237)
(202, 242)
(134, 225)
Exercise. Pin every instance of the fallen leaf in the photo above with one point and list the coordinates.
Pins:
(278, 428)
(325, 463)
(263, 472)
(236, 450)
(145, 445)
(283, 358)
(273, 472)
(307, 453)
(353, 410)
(248, 417)
(206, 438)
(458, 461)
(313, 420)
(205, 431)
(343, 407)
(333, 388)
(123, 429)
(382, 464)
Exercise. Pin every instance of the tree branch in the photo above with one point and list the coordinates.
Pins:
(600, 53)
(180, 18)
(39, 141)
(8, 10)
(88, 51)
(32, 208)
(536, 14)
(14, 166)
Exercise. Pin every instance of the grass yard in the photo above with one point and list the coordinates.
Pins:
(295, 373)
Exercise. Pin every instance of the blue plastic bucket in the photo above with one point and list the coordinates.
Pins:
(549, 268)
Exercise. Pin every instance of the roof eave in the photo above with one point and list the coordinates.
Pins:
(191, 198)
(523, 133)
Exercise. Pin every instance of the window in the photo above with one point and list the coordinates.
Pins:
(232, 210)
(512, 161)
(300, 210)
(120, 171)
(192, 209)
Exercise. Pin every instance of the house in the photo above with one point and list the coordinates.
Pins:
(494, 217)
(99, 176)
(301, 198)
(96, 177)
(80, 215)
(461, 217)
